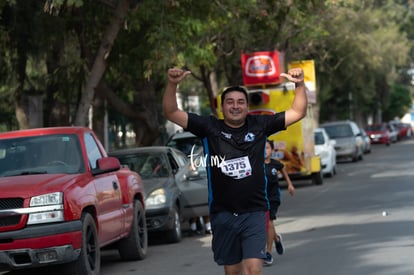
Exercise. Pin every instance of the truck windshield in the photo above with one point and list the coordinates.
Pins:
(47, 154)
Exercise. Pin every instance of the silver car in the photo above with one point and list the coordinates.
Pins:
(175, 186)
(366, 142)
(348, 139)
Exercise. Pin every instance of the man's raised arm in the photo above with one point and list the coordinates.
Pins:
(169, 101)
(298, 109)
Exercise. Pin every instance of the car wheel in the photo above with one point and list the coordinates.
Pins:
(317, 178)
(355, 158)
(135, 245)
(174, 235)
(361, 155)
(332, 172)
(89, 260)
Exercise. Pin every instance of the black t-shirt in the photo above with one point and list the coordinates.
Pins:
(273, 189)
(235, 160)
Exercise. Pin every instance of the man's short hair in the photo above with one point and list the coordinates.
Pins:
(234, 89)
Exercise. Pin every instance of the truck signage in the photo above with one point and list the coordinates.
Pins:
(261, 68)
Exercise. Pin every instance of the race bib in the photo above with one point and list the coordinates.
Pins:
(237, 168)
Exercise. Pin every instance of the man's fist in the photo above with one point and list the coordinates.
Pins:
(175, 75)
(295, 75)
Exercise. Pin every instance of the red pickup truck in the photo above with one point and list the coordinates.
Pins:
(62, 199)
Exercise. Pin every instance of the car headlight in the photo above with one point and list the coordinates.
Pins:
(47, 199)
(156, 198)
(50, 208)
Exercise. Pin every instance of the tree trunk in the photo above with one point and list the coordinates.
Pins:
(209, 79)
(19, 92)
(143, 113)
(99, 118)
(99, 66)
(56, 110)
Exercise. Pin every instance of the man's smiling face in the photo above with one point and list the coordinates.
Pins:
(235, 108)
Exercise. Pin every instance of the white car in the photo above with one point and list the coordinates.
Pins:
(325, 148)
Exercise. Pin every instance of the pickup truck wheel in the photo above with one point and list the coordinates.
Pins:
(174, 235)
(89, 260)
(135, 245)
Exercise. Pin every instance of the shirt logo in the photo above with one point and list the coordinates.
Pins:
(249, 137)
(226, 135)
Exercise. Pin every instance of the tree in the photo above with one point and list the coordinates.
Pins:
(99, 65)
(358, 60)
(114, 56)
(400, 102)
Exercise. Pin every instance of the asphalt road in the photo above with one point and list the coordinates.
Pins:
(360, 222)
(336, 228)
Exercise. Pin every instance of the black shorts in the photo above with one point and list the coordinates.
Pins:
(274, 206)
(238, 236)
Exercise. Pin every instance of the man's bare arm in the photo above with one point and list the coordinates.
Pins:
(298, 109)
(169, 101)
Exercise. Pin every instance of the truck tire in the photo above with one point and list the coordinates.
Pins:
(135, 245)
(317, 178)
(89, 260)
(174, 235)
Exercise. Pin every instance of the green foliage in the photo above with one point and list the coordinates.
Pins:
(400, 102)
(358, 47)
(360, 56)
(7, 119)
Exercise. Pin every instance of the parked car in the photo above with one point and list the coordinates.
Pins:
(409, 129)
(62, 199)
(175, 186)
(381, 133)
(324, 147)
(403, 129)
(191, 145)
(347, 137)
(393, 132)
(366, 145)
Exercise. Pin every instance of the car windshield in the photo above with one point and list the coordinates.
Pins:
(46, 154)
(319, 139)
(375, 128)
(339, 131)
(146, 164)
(398, 125)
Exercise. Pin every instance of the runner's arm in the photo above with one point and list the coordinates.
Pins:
(169, 101)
